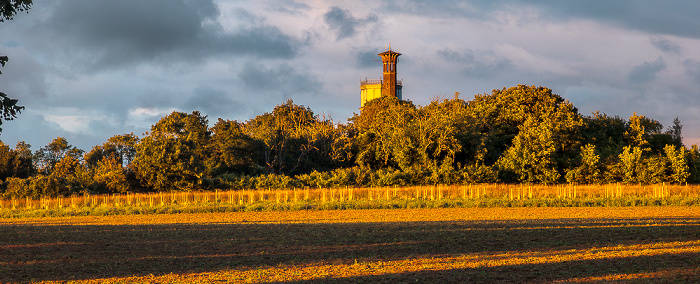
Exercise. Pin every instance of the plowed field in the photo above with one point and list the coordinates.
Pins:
(628, 244)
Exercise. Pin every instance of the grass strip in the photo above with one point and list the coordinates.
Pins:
(265, 206)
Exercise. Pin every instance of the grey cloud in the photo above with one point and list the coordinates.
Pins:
(281, 79)
(344, 23)
(288, 7)
(665, 45)
(367, 59)
(30, 122)
(479, 63)
(647, 71)
(692, 68)
(116, 33)
(678, 17)
(440, 8)
(212, 102)
(23, 77)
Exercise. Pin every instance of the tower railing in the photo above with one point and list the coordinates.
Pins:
(371, 82)
(377, 82)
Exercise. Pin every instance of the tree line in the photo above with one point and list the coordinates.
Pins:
(522, 134)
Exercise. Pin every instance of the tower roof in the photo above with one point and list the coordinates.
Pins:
(389, 52)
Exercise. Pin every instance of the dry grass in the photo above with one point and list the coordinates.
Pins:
(640, 244)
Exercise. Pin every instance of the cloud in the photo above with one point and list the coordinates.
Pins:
(22, 77)
(344, 24)
(367, 59)
(656, 17)
(678, 17)
(665, 45)
(439, 8)
(646, 71)
(283, 79)
(212, 102)
(692, 68)
(287, 7)
(30, 122)
(117, 33)
(479, 63)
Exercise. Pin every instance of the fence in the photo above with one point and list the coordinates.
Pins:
(356, 194)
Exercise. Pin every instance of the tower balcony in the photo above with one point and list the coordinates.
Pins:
(378, 82)
(371, 82)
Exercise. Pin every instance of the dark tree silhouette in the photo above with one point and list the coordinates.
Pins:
(8, 9)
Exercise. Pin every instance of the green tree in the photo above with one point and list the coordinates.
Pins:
(169, 157)
(110, 176)
(532, 156)
(15, 163)
(500, 115)
(68, 177)
(47, 156)
(675, 131)
(231, 150)
(544, 130)
(122, 147)
(692, 157)
(437, 131)
(678, 165)
(125, 146)
(646, 133)
(589, 171)
(294, 140)
(23, 166)
(8, 9)
(7, 160)
(380, 134)
(636, 134)
(606, 133)
(630, 164)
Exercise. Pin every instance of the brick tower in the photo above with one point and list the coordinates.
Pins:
(388, 85)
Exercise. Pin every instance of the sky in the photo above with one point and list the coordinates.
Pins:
(87, 70)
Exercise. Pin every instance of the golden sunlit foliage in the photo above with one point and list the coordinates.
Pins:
(522, 134)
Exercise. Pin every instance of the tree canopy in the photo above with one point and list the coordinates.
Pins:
(8, 9)
(521, 134)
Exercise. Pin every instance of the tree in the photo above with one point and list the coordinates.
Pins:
(675, 131)
(8, 9)
(500, 115)
(125, 146)
(630, 165)
(531, 131)
(380, 134)
(23, 165)
(10, 109)
(589, 171)
(294, 140)
(678, 165)
(532, 156)
(7, 158)
(170, 157)
(109, 176)
(231, 150)
(14, 163)
(122, 147)
(606, 133)
(47, 157)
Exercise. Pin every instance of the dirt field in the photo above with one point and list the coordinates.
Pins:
(629, 244)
